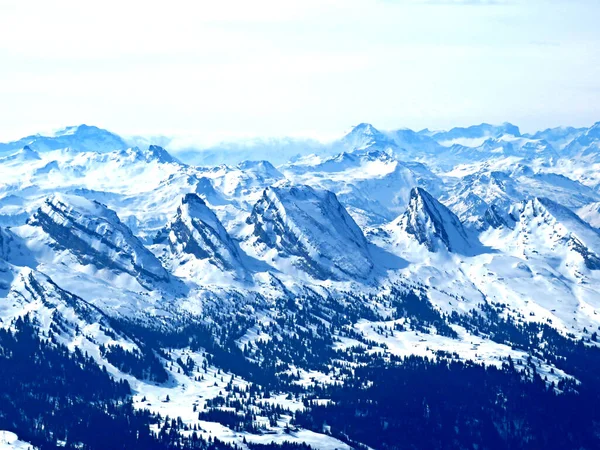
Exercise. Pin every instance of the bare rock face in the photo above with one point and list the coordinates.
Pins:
(196, 230)
(432, 224)
(311, 227)
(95, 235)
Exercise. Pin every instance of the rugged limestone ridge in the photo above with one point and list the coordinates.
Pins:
(546, 227)
(196, 230)
(434, 225)
(328, 327)
(312, 227)
(31, 286)
(95, 235)
(372, 184)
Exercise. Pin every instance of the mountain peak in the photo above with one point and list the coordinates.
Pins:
(192, 199)
(311, 228)
(434, 225)
(365, 135)
(548, 226)
(160, 154)
(197, 232)
(94, 235)
(261, 167)
(366, 129)
(512, 129)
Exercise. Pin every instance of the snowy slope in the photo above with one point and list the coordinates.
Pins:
(9, 440)
(546, 228)
(591, 214)
(311, 228)
(373, 185)
(433, 225)
(304, 254)
(470, 194)
(93, 235)
(195, 231)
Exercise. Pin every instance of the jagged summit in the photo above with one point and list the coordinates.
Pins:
(434, 225)
(208, 286)
(195, 230)
(312, 228)
(366, 129)
(545, 227)
(95, 235)
(158, 153)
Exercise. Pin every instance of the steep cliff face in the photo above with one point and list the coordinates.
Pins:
(433, 225)
(195, 230)
(313, 229)
(94, 235)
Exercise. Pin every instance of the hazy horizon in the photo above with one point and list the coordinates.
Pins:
(313, 68)
(178, 142)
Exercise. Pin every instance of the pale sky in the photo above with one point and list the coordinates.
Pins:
(226, 69)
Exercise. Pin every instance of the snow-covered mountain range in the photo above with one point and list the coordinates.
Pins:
(322, 247)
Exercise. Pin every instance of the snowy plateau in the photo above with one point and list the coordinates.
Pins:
(283, 295)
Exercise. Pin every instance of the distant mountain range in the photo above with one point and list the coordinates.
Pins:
(280, 290)
(282, 150)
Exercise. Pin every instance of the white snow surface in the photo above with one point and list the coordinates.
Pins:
(313, 228)
(80, 217)
(10, 441)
